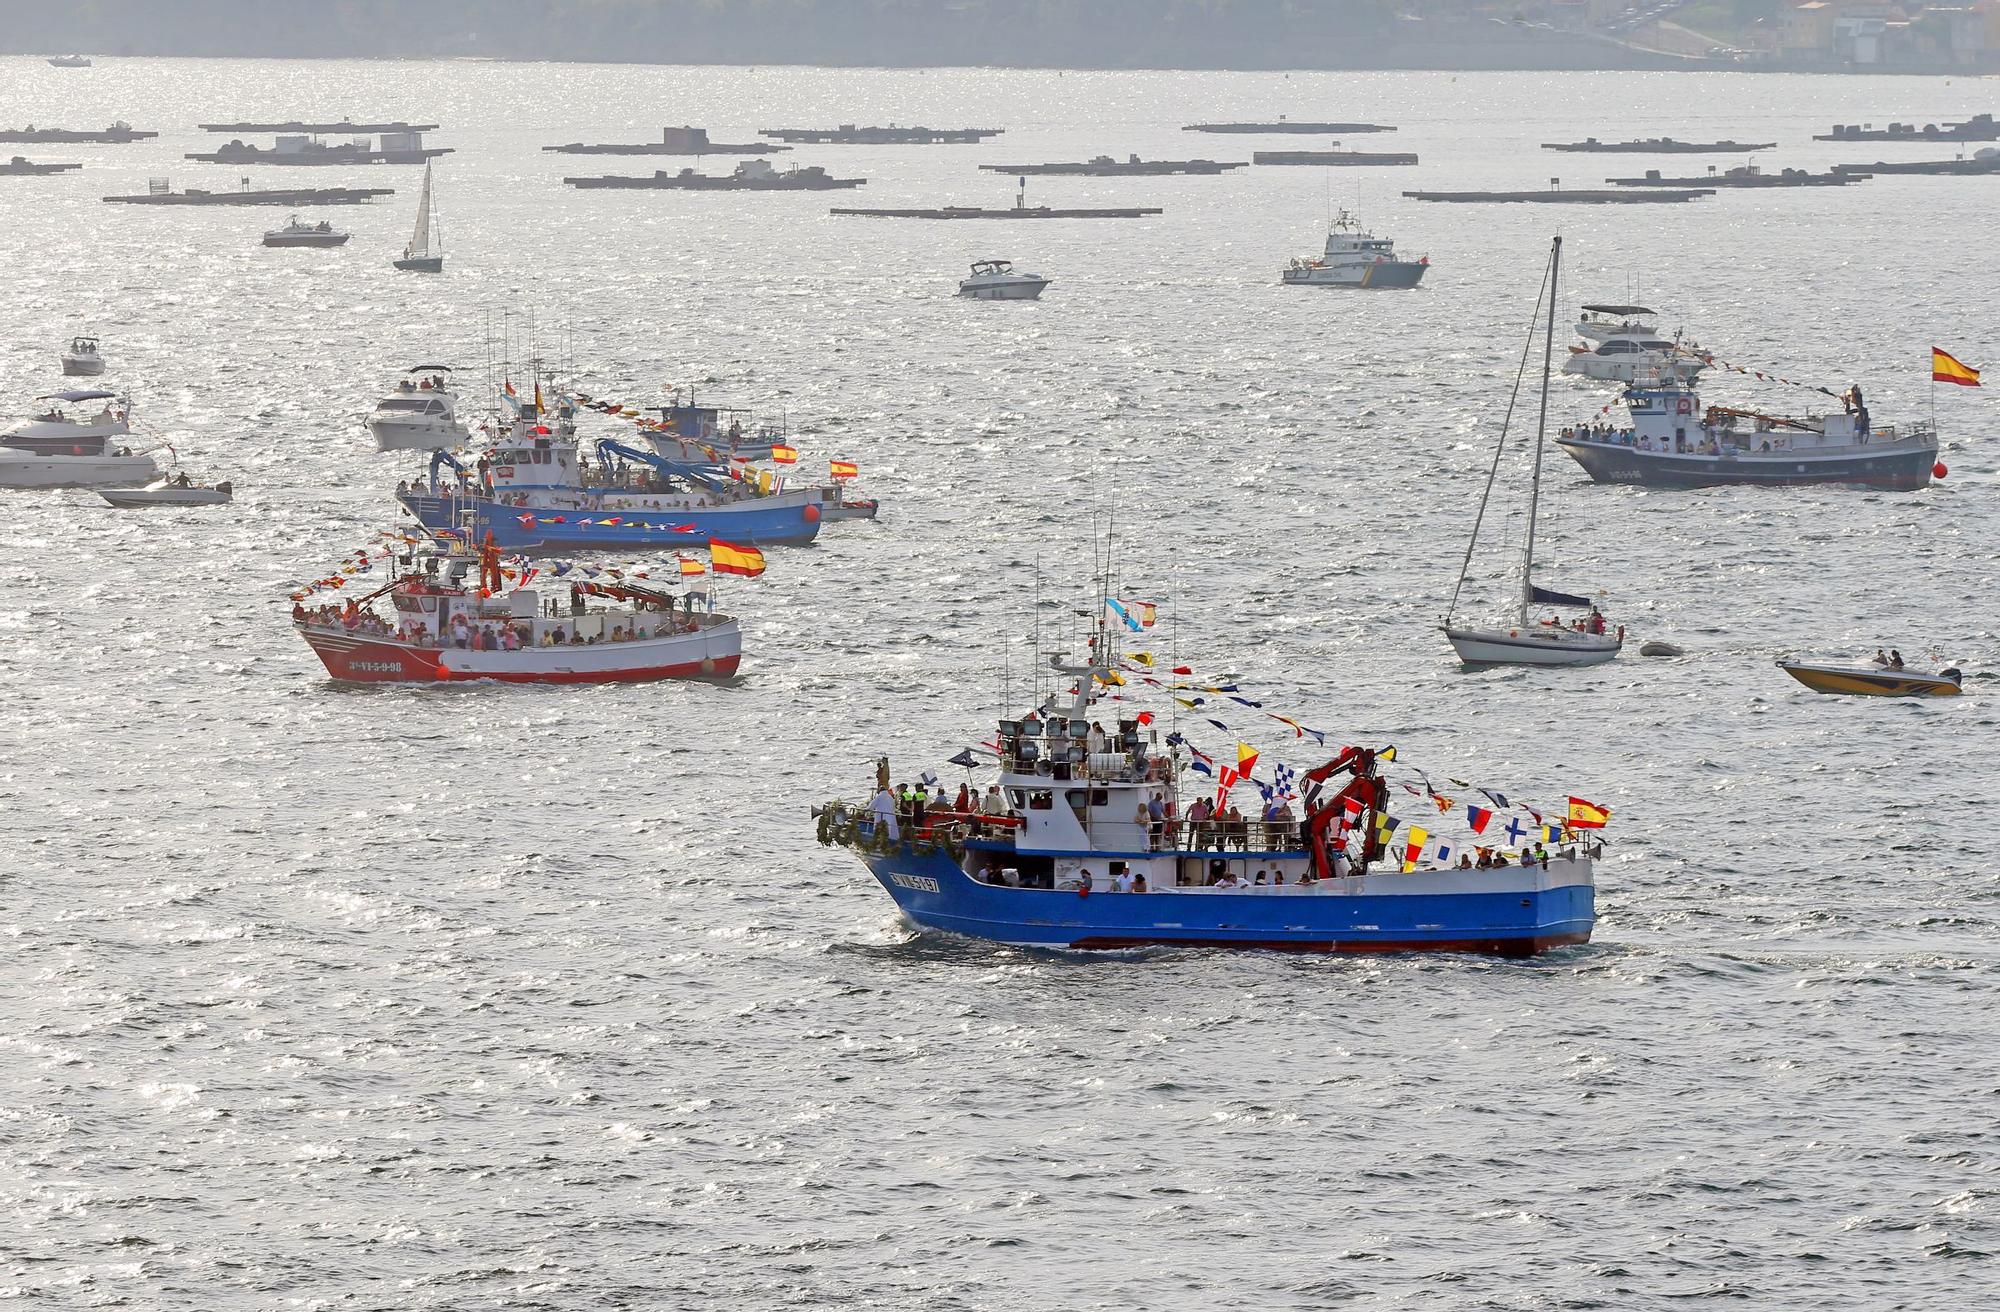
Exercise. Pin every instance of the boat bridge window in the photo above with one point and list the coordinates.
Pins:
(1078, 798)
(1041, 800)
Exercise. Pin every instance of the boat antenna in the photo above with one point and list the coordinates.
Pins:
(1499, 447)
(1541, 432)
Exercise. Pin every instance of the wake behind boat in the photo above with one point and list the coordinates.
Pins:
(1522, 640)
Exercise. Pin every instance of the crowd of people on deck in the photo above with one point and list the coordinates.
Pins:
(467, 634)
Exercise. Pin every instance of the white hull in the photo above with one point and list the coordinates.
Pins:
(1026, 289)
(1534, 645)
(402, 435)
(18, 469)
(82, 366)
(1630, 368)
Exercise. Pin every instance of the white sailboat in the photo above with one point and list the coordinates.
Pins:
(1523, 640)
(417, 255)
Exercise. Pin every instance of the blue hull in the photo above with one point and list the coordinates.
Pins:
(933, 892)
(745, 525)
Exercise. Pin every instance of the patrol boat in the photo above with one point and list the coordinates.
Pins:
(1066, 862)
(1355, 258)
(1674, 441)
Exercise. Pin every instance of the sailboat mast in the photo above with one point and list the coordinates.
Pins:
(1541, 431)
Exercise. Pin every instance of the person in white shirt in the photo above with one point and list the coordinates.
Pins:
(883, 808)
(1122, 882)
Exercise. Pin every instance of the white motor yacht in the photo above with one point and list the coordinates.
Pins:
(82, 359)
(995, 280)
(65, 448)
(1641, 357)
(420, 415)
(297, 232)
(69, 61)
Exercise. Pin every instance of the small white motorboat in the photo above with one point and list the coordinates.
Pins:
(82, 359)
(168, 492)
(995, 280)
(70, 61)
(296, 232)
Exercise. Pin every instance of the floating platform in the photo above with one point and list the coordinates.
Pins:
(1358, 158)
(1657, 146)
(849, 135)
(1014, 212)
(1103, 166)
(1286, 125)
(314, 153)
(20, 166)
(1980, 127)
(1747, 176)
(344, 125)
(160, 195)
(115, 135)
(673, 141)
(805, 179)
(1987, 163)
(1557, 196)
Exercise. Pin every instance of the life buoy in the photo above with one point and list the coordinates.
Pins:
(1684, 406)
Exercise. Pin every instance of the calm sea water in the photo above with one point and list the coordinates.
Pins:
(482, 997)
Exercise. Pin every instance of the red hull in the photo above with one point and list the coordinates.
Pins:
(368, 660)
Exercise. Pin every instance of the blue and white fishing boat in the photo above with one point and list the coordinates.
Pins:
(538, 491)
(1084, 844)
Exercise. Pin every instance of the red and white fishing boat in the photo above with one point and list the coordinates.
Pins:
(430, 625)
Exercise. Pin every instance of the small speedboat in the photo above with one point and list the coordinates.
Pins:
(995, 280)
(167, 492)
(299, 233)
(82, 359)
(1873, 680)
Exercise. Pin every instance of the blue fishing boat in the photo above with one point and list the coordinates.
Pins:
(1083, 844)
(538, 491)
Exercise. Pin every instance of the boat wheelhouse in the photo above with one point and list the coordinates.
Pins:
(1674, 441)
(62, 447)
(1357, 258)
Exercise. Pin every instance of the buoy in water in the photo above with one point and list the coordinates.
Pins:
(1660, 649)
(1938, 470)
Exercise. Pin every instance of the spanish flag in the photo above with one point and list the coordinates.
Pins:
(1946, 369)
(784, 455)
(843, 468)
(1589, 815)
(725, 558)
(690, 566)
